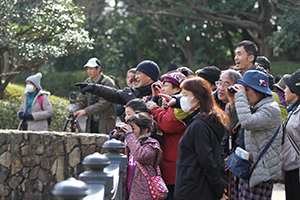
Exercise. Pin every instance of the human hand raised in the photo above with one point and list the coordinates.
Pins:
(168, 100)
(156, 88)
(85, 87)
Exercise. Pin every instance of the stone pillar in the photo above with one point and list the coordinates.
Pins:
(99, 182)
(118, 164)
(71, 189)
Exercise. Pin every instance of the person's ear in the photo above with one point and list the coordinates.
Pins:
(144, 131)
(251, 58)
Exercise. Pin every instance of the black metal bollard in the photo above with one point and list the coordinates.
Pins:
(117, 166)
(99, 182)
(71, 189)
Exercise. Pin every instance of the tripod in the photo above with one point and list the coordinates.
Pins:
(74, 122)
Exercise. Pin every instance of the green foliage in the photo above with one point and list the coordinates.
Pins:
(58, 83)
(37, 31)
(42, 29)
(286, 38)
(62, 83)
(8, 115)
(10, 105)
(284, 67)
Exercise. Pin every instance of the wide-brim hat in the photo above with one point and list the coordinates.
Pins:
(293, 82)
(281, 84)
(257, 80)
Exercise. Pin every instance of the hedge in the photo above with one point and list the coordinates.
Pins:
(62, 83)
(10, 105)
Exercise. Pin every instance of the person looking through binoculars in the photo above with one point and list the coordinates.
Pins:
(101, 114)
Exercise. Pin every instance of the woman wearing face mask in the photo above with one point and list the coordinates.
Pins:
(35, 107)
(199, 162)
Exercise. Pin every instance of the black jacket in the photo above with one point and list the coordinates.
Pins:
(199, 162)
(122, 96)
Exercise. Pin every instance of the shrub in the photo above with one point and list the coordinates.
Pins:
(10, 105)
(284, 67)
(62, 83)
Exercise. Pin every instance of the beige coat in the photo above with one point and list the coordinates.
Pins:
(39, 115)
(105, 109)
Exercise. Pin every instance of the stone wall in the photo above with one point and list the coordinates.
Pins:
(31, 163)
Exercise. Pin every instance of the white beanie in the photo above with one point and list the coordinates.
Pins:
(35, 79)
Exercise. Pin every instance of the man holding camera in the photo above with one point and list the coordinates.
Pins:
(101, 114)
(147, 72)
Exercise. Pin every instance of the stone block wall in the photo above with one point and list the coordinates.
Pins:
(31, 163)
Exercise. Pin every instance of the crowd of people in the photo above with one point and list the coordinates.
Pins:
(188, 123)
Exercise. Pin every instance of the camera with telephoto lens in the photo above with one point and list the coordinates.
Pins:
(120, 128)
(72, 98)
(231, 90)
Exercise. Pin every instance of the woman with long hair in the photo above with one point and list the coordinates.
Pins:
(199, 162)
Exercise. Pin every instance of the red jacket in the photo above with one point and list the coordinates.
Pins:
(173, 130)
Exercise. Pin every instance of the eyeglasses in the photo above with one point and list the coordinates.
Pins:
(220, 84)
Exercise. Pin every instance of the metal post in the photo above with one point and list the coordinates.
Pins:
(70, 189)
(117, 166)
(99, 182)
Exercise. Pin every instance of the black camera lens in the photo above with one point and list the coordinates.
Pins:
(120, 128)
(72, 97)
(156, 86)
(231, 90)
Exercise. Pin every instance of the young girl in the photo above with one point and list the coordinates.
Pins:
(139, 147)
(133, 107)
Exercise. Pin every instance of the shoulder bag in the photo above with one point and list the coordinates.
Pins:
(156, 184)
(243, 168)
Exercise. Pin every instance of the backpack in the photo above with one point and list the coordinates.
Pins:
(40, 99)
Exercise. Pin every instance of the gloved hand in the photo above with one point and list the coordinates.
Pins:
(28, 116)
(86, 87)
(127, 94)
(21, 115)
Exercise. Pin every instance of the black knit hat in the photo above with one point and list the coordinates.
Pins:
(293, 82)
(150, 68)
(263, 62)
(210, 73)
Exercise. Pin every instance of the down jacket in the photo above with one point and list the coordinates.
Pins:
(291, 160)
(39, 115)
(260, 124)
(148, 154)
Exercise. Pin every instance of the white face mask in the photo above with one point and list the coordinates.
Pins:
(30, 88)
(185, 103)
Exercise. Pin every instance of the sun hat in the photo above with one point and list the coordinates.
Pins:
(281, 84)
(257, 80)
